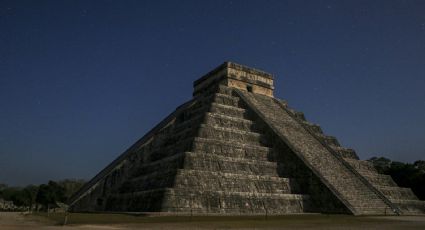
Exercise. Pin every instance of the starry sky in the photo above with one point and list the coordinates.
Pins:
(80, 81)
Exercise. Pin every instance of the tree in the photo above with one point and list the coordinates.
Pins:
(30, 194)
(50, 193)
(44, 195)
(58, 192)
(2, 187)
(420, 165)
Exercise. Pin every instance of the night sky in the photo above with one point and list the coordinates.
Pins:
(80, 81)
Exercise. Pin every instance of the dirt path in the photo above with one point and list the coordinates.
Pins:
(15, 221)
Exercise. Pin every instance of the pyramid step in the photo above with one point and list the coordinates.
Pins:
(361, 165)
(222, 133)
(172, 162)
(188, 124)
(300, 115)
(227, 110)
(410, 207)
(238, 202)
(297, 114)
(345, 152)
(232, 149)
(313, 127)
(174, 138)
(209, 180)
(407, 201)
(189, 200)
(225, 175)
(198, 108)
(224, 99)
(329, 140)
(377, 179)
(231, 182)
(154, 180)
(398, 193)
(212, 162)
(221, 120)
(160, 152)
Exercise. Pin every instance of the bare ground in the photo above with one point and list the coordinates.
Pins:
(14, 221)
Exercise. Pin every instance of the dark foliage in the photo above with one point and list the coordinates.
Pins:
(44, 194)
(19, 196)
(50, 193)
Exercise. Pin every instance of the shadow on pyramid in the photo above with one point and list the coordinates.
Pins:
(234, 149)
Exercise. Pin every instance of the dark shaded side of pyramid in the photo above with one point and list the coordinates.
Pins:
(209, 156)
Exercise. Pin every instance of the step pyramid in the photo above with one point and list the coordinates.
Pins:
(235, 149)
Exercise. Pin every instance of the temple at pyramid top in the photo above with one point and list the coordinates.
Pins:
(236, 76)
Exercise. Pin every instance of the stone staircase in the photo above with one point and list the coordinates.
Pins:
(403, 198)
(359, 196)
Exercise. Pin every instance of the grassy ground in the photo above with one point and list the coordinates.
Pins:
(125, 221)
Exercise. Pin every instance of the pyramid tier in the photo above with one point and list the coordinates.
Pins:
(222, 133)
(223, 99)
(345, 152)
(313, 127)
(225, 121)
(329, 140)
(410, 207)
(361, 165)
(217, 163)
(398, 193)
(211, 162)
(233, 149)
(231, 182)
(209, 180)
(227, 110)
(378, 179)
(183, 200)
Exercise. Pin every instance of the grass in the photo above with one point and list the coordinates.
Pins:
(230, 222)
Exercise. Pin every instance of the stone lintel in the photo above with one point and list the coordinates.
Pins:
(236, 76)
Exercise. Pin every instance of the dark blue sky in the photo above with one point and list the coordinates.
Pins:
(80, 81)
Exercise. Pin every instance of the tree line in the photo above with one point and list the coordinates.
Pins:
(41, 196)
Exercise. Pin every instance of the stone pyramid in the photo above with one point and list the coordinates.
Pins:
(235, 149)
